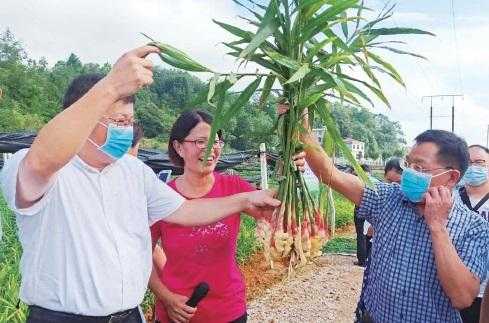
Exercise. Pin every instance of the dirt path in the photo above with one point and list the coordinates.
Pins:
(326, 292)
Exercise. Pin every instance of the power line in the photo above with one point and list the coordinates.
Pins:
(455, 39)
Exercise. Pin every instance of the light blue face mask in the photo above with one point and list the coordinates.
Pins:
(118, 140)
(475, 175)
(415, 184)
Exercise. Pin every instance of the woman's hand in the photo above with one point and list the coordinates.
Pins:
(176, 308)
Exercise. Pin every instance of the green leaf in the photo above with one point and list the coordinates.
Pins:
(317, 47)
(265, 93)
(310, 7)
(324, 112)
(352, 88)
(177, 58)
(212, 88)
(398, 31)
(268, 26)
(402, 52)
(300, 74)
(366, 68)
(344, 25)
(395, 75)
(309, 99)
(242, 99)
(283, 60)
(318, 23)
(221, 93)
(246, 35)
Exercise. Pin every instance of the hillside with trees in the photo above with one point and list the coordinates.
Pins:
(31, 93)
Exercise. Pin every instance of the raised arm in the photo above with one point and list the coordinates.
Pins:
(63, 137)
(323, 167)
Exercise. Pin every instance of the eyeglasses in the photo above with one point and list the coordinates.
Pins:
(120, 120)
(202, 143)
(406, 164)
(478, 162)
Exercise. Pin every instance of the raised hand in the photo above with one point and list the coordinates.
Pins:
(131, 72)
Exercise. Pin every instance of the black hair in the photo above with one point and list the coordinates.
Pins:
(138, 133)
(182, 127)
(393, 164)
(366, 168)
(480, 147)
(452, 150)
(80, 85)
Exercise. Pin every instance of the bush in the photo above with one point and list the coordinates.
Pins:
(247, 242)
(344, 211)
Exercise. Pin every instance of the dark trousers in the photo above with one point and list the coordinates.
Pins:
(361, 243)
(368, 243)
(471, 314)
(41, 315)
(241, 319)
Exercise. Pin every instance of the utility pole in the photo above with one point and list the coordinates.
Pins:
(452, 96)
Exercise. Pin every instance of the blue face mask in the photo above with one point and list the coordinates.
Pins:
(475, 175)
(118, 141)
(415, 184)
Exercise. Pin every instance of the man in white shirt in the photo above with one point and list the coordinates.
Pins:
(84, 206)
(475, 195)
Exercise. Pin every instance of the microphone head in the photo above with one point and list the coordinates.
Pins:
(198, 294)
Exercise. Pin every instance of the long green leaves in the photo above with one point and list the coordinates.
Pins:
(177, 58)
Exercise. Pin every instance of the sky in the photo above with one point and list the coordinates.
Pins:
(100, 31)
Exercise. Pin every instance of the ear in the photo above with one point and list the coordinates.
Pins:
(178, 147)
(454, 177)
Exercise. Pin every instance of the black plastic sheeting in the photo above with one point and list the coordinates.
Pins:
(157, 160)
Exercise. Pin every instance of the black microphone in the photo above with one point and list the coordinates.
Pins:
(199, 293)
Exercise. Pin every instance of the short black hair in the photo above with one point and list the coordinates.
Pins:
(138, 133)
(480, 147)
(452, 150)
(366, 168)
(393, 164)
(80, 85)
(182, 127)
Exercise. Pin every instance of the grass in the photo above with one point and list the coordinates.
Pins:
(247, 243)
(341, 245)
(10, 252)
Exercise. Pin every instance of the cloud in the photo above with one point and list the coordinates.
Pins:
(100, 31)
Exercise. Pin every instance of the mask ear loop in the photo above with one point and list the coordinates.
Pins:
(93, 142)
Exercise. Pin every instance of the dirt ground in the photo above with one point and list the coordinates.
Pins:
(323, 292)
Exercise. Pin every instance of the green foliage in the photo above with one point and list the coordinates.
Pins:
(381, 136)
(247, 243)
(341, 245)
(344, 210)
(10, 252)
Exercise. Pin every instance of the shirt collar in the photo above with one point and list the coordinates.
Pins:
(80, 163)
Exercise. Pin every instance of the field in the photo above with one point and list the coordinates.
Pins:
(12, 310)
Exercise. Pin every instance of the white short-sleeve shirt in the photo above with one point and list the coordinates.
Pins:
(86, 243)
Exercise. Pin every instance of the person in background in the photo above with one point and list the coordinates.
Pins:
(361, 227)
(475, 195)
(201, 253)
(485, 307)
(138, 134)
(430, 252)
(393, 170)
(84, 206)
